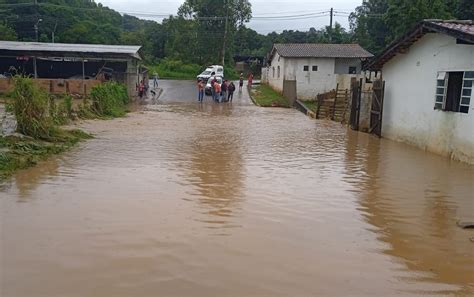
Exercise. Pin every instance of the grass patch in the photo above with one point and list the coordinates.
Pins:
(265, 96)
(176, 69)
(19, 153)
(311, 105)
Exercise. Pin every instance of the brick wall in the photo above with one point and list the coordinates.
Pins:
(55, 86)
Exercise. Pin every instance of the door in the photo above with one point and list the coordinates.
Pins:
(376, 111)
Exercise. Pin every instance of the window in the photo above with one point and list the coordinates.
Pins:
(454, 90)
(305, 68)
(315, 68)
(278, 72)
(352, 70)
(273, 70)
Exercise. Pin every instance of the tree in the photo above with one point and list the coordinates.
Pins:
(402, 15)
(217, 22)
(7, 33)
(368, 25)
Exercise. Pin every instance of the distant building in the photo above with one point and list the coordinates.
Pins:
(316, 68)
(72, 68)
(429, 77)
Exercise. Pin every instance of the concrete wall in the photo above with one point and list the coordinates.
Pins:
(410, 88)
(342, 65)
(310, 83)
(272, 74)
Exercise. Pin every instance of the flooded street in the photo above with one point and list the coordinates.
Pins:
(184, 199)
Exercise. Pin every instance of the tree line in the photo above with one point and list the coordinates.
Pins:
(205, 31)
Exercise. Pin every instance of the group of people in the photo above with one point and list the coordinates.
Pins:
(222, 91)
(144, 84)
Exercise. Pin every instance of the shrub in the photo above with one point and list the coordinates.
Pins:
(109, 99)
(30, 107)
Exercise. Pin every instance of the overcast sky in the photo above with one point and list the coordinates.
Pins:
(263, 8)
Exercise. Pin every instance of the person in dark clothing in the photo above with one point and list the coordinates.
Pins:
(241, 81)
(224, 90)
(231, 90)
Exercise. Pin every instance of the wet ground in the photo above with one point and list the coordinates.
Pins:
(189, 199)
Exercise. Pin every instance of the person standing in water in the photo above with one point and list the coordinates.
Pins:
(200, 87)
(231, 89)
(241, 81)
(250, 80)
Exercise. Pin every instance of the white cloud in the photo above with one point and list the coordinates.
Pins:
(259, 7)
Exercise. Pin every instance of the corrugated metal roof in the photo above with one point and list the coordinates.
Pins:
(317, 50)
(130, 50)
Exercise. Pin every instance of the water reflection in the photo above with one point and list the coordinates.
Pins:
(215, 169)
(26, 181)
(416, 219)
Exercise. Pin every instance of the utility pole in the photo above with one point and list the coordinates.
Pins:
(225, 31)
(330, 24)
(54, 30)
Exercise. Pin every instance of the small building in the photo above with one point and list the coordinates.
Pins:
(316, 68)
(429, 77)
(70, 68)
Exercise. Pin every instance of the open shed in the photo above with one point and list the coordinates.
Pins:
(73, 68)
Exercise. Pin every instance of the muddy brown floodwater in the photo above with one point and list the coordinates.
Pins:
(218, 200)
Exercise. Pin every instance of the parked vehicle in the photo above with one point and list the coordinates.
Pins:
(208, 88)
(213, 70)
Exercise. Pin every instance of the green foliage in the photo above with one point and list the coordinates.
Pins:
(376, 23)
(18, 153)
(209, 35)
(109, 99)
(7, 33)
(402, 15)
(31, 108)
(265, 96)
(176, 69)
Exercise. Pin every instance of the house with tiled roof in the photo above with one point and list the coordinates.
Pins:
(315, 68)
(429, 78)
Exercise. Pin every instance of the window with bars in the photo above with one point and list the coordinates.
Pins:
(454, 91)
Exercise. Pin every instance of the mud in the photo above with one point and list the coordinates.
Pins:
(184, 199)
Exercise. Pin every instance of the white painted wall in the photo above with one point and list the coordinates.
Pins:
(330, 72)
(342, 65)
(275, 81)
(410, 87)
(310, 83)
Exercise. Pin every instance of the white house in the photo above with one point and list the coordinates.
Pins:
(429, 77)
(316, 68)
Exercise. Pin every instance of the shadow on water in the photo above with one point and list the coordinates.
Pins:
(416, 219)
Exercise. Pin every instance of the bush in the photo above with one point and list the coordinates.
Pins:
(30, 107)
(109, 99)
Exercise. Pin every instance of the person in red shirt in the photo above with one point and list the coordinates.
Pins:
(217, 92)
(250, 79)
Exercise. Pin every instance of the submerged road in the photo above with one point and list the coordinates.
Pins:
(189, 199)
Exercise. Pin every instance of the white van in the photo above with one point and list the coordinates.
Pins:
(213, 70)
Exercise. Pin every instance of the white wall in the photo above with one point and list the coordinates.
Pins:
(410, 87)
(275, 81)
(310, 83)
(342, 65)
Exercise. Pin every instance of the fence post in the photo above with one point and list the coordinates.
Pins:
(334, 104)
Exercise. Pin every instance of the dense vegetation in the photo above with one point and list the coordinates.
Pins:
(199, 34)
